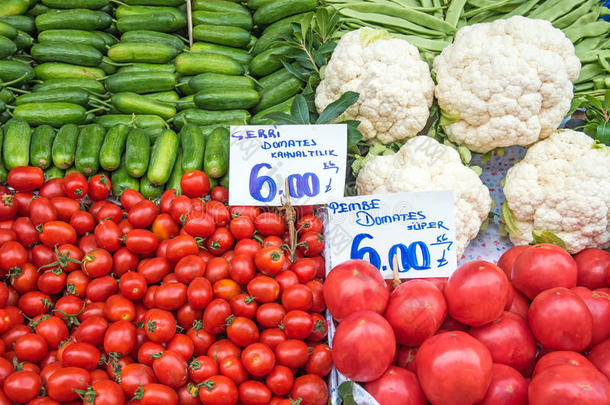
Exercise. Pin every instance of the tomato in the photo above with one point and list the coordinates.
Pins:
(81, 354)
(218, 390)
(25, 178)
(254, 393)
(65, 207)
(134, 375)
(270, 260)
(198, 222)
(269, 223)
(581, 385)
(181, 246)
(310, 390)
(593, 267)
(99, 187)
(129, 198)
(123, 261)
(117, 308)
(42, 211)
(219, 193)
(258, 359)
(542, 267)
(219, 212)
(75, 185)
(246, 211)
(141, 241)
(143, 214)
(264, 289)
(164, 227)
(280, 380)
(247, 247)
(133, 285)
(507, 387)
(202, 368)
(199, 293)
(297, 296)
(22, 386)
(220, 241)
(311, 243)
(97, 263)
(99, 289)
(242, 331)
(215, 315)
(24, 279)
(464, 374)
(598, 303)
(232, 367)
(292, 353)
(217, 269)
(600, 357)
(180, 206)
(305, 269)
(309, 223)
(12, 254)
(8, 235)
(160, 325)
(62, 383)
(170, 369)
(9, 206)
(25, 232)
(560, 358)
(189, 268)
(91, 330)
(242, 227)
(108, 235)
(120, 337)
(320, 361)
(397, 386)
(352, 286)
(170, 296)
(195, 184)
(243, 305)
(82, 222)
(155, 394)
(270, 315)
(52, 188)
(508, 258)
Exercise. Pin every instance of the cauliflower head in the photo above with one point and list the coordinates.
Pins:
(394, 84)
(504, 83)
(423, 164)
(562, 186)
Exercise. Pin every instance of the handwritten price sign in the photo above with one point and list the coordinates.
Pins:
(417, 229)
(310, 158)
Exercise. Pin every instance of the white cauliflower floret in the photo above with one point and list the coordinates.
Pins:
(394, 84)
(561, 186)
(423, 164)
(508, 82)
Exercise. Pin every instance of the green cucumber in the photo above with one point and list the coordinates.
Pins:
(216, 81)
(166, 3)
(113, 147)
(222, 6)
(226, 99)
(132, 103)
(183, 86)
(23, 40)
(216, 157)
(88, 148)
(274, 79)
(163, 157)
(240, 55)
(149, 190)
(276, 31)
(192, 141)
(176, 175)
(20, 23)
(121, 181)
(160, 22)
(6, 95)
(196, 63)
(164, 96)
(224, 181)
(54, 114)
(66, 52)
(79, 37)
(259, 118)
(137, 121)
(240, 20)
(222, 35)
(90, 4)
(74, 96)
(38, 9)
(16, 144)
(148, 67)
(108, 66)
(126, 11)
(153, 37)
(64, 146)
(271, 96)
(7, 47)
(256, 4)
(77, 19)
(109, 39)
(137, 152)
(7, 30)
(141, 82)
(206, 117)
(14, 7)
(56, 70)
(53, 173)
(213, 182)
(15, 71)
(138, 52)
(269, 61)
(273, 11)
(185, 103)
(3, 171)
(89, 85)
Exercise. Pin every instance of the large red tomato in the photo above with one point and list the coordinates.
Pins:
(507, 387)
(309, 389)
(352, 286)
(396, 386)
(567, 384)
(560, 320)
(600, 357)
(560, 358)
(454, 369)
(507, 260)
(416, 310)
(598, 303)
(541, 267)
(354, 354)
(593, 268)
(477, 293)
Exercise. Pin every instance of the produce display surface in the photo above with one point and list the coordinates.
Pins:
(127, 278)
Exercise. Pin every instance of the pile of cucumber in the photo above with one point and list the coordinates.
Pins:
(112, 86)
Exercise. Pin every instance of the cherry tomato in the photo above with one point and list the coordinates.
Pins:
(220, 241)
(108, 235)
(160, 325)
(280, 380)
(22, 386)
(219, 193)
(310, 389)
(124, 260)
(181, 246)
(215, 315)
(82, 222)
(129, 198)
(264, 288)
(62, 383)
(254, 393)
(170, 296)
(25, 178)
(195, 183)
(170, 369)
(99, 187)
(155, 394)
(269, 223)
(120, 337)
(258, 359)
(320, 361)
(242, 227)
(298, 324)
(52, 188)
(75, 185)
(164, 227)
(141, 241)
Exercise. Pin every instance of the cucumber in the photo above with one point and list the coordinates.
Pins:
(74, 96)
(77, 19)
(14, 7)
(109, 39)
(259, 118)
(256, 4)
(176, 175)
(167, 3)
(54, 114)
(206, 117)
(224, 181)
(163, 157)
(126, 11)
(183, 86)
(88, 148)
(148, 67)
(56, 70)
(278, 30)
(132, 103)
(15, 71)
(20, 23)
(222, 35)
(23, 40)
(213, 183)
(79, 37)
(149, 190)
(141, 82)
(192, 142)
(53, 173)
(240, 55)
(153, 37)
(274, 95)
(137, 149)
(64, 146)
(66, 52)
(71, 170)
(196, 63)
(226, 99)
(113, 147)
(269, 61)
(273, 11)
(16, 144)
(138, 52)
(274, 79)
(167, 97)
(216, 157)
(216, 81)
(7, 47)
(186, 103)
(90, 4)
(89, 85)
(6, 95)
(240, 20)
(38, 9)
(137, 121)
(3, 171)
(108, 66)
(160, 22)
(220, 6)
(8, 31)
(121, 181)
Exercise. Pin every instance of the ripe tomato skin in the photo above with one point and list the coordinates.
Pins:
(91, 330)
(292, 353)
(507, 387)
(242, 269)
(25, 231)
(219, 193)
(22, 386)
(397, 386)
(254, 393)
(30, 347)
(123, 260)
(26, 178)
(164, 227)
(97, 263)
(311, 243)
(65, 207)
(269, 223)
(108, 235)
(243, 305)
(82, 222)
(264, 288)
(61, 383)
(8, 235)
(219, 212)
(598, 303)
(53, 330)
(297, 296)
(155, 394)
(195, 183)
(320, 362)
(270, 260)
(117, 308)
(129, 198)
(583, 385)
(311, 389)
(507, 259)
(160, 325)
(247, 247)
(242, 331)
(170, 369)
(258, 359)
(26, 280)
(12, 254)
(120, 337)
(166, 200)
(75, 185)
(298, 324)
(99, 289)
(593, 267)
(154, 269)
(220, 241)
(242, 227)
(217, 268)
(270, 315)
(220, 390)
(135, 374)
(81, 354)
(52, 188)
(141, 241)
(143, 214)
(215, 315)
(181, 246)
(170, 296)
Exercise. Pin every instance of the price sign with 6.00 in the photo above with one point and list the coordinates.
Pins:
(311, 159)
(415, 230)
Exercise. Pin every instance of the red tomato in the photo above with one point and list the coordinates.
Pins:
(97, 263)
(560, 320)
(195, 183)
(352, 286)
(160, 325)
(285, 279)
(62, 383)
(22, 386)
(120, 337)
(560, 358)
(170, 369)
(396, 386)
(99, 187)
(247, 247)
(181, 246)
(232, 367)
(270, 315)
(264, 289)
(141, 241)
(219, 212)
(143, 214)
(305, 269)
(507, 259)
(133, 375)
(309, 223)
(218, 390)
(242, 331)
(226, 289)
(12, 254)
(600, 357)
(129, 198)
(220, 241)
(320, 361)
(215, 315)
(280, 380)
(123, 261)
(292, 353)
(310, 390)
(593, 267)
(99, 289)
(30, 347)
(164, 227)
(109, 211)
(254, 393)
(80, 354)
(65, 207)
(270, 260)
(25, 178)
(217, 269)
(242, 227)
(83, 222)
(75, 185)
(52, 188)
(269, 223)
(297, 296)
(582, 385)
(170, 296)
(541, 267)
(91, 330)
(311, 243)
(507, 387)
(477, 293)
(117, 308)
(155, 394)
(258, 359)
(202, 368)
(219, 193)
(108, 235)
(598, 303)
(243, 305)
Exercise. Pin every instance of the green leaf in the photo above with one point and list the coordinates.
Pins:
(576, 103)
(448, 118)
(349, 400)
(594, 101)
(353, 136)
(294, 71)
(508, 218)
(487, 157)
(503, 182)
(306, 23)
(299, 110)
(465, 154)
(346, 388)
(602, 133)
(327, 47)
(607, 100)
(281, 119)
(547, 237)
(338, 107)
(367, 37)
(477, 170)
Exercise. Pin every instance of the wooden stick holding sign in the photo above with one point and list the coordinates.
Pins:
(291, 216)
(189, 19)
(397, 281)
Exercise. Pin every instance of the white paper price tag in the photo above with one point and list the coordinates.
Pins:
(311, 158)
(418, 229)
